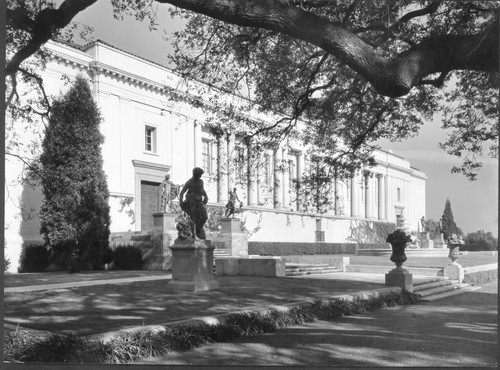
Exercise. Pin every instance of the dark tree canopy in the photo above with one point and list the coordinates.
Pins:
(448, 225)
(74, 217)
(356, 71)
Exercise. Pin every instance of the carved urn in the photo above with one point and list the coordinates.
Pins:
(398, 240)
(454, 242)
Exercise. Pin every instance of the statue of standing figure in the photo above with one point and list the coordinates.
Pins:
(168, 192)
(231, 204)
(194, 204)
(422, 223)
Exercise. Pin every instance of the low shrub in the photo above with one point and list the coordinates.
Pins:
(6, 263)
(130, 347)
(481, 277)
(289, 249)
(34, 258)
(127, 257)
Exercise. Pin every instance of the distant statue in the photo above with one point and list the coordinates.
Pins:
(422, 222)
(168, 192)
(194, 204)
(231, 204)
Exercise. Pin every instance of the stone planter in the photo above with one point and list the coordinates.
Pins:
(454, 254)
(398, 255)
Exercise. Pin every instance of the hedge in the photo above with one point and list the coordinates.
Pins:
(481, 277)
(289, 249)
(34, 258)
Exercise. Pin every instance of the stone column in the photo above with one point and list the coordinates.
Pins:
(381, 196)
(223, 185)
(252, 179)
(197, 144)
(286, 179)
(354, 196)
(278, 179)
(300, 173)
(230, 162)
(368, 196)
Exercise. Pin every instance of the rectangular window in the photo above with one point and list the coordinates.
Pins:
(150, 139)
(267, 170)
(398, 194)
(206, 156)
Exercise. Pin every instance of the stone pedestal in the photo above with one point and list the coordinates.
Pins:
(251, 266)
(454, 271)
(439, 241)
(400, 277)
(193, 265)
(162, 237)
(235, 241)
(424, 240)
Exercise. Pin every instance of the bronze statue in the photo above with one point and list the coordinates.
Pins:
(194, 204)
(230, 206)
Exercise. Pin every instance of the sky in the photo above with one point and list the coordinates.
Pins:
(474, 204)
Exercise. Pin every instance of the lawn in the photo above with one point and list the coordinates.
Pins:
(38, 278)
(103, 308)
(467, 260)
(470, 259)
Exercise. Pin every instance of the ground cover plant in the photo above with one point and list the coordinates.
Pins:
(130, 347)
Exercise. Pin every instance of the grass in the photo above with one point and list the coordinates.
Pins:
(470, 259)
(102, 308)
(127, 348)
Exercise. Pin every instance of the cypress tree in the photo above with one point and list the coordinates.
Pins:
(448, 225)
(75, 210)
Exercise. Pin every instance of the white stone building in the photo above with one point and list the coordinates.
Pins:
(146, 136)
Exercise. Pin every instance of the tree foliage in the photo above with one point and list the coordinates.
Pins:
(448, 225)
(481, 240)
(355, 71)
(74, 215)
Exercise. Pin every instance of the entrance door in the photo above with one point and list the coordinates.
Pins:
(150, 203)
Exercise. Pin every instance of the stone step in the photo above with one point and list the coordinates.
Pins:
(432, 284)
(325, 270)
(439, 289)
(296, 266)
(423, 271)
(450, 293)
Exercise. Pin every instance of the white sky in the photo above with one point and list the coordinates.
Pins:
(474, 204)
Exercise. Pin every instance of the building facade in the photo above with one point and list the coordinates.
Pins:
(147, 136)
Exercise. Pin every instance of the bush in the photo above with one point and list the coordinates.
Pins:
(108, 256)
(6, 263)
(127, 257)
(290, 249)
(481, 277)
(34, 258)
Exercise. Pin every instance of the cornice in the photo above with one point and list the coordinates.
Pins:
(150, 165)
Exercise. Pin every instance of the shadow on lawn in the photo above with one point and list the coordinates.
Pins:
(102, 308)
(462, 333)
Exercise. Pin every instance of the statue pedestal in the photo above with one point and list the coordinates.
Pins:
(439, 242)
(235, 241)
(193, 265)
(163, 236)
(425, 241)
(454, 271)
(400, 277)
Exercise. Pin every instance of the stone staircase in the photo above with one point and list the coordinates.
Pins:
(439, 288)
(297, 269)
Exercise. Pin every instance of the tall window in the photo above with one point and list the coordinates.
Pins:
(150, 139)
(398, 190)
(206, 156)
